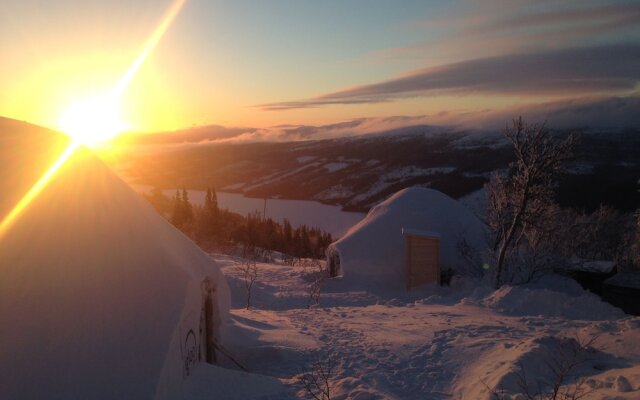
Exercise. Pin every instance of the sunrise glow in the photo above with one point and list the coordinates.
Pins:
(255, 199)
(91, 122)
(94, 120)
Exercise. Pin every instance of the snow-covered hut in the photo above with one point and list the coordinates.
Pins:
(100, 298)
(407, 240)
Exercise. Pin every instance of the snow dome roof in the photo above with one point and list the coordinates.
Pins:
(95, 284)
(374, 248)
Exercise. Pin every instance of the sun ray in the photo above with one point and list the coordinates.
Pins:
(95, 120)
(115, 93)
(37, 188)
(151, 44)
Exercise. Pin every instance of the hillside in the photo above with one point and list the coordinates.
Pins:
(359, 171)
(434, 342)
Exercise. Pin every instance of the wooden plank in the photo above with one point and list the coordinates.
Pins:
(422, 259)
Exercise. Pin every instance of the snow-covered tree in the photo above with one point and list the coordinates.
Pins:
(520, 201)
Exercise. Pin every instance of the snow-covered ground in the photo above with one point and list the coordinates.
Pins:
(432, 343)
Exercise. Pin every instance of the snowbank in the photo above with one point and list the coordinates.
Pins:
(553, 297)
(533, 365)
(212, 382)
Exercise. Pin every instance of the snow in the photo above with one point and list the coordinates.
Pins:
(398, 175)
(335, 166)
(476, 202)
(373, 251)
(97, 289)
(519, 301)
(278, 176)
(597, 266)
(338, 191)
(348, 160)
(479, 140)
(432, 343)
(212, 382)
(305, 159)
(235, 186)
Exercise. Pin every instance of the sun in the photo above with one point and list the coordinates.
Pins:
(93, 121)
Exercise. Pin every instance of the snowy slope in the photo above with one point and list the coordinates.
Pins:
(436, 343)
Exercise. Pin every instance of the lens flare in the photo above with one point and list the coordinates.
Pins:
(92, 121)
(37, 188)
(96, 120)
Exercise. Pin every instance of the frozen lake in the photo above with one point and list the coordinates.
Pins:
(311, 213)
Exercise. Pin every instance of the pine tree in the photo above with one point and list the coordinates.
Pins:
(209, 223)
(287, 237)
(211, 202)
(177, 216)
(187, 208)
(182, 215)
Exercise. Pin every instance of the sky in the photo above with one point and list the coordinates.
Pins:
(266, 63)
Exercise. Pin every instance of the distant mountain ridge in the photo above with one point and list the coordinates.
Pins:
(359, 171)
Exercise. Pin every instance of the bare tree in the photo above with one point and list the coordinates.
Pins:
(542, 247)
(317, 381)
(570, 354)
(519, 201)
(316, 272)
(600, 235)
(248, 266)
(635, 242)
(629, 256)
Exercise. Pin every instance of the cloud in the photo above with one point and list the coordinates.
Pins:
(353, 127)
(194, 135)
(489, 28)
(593, 113)
(613, 17)
(215, 134)
(589, 70)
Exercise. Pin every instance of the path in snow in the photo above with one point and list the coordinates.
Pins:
(437, 344)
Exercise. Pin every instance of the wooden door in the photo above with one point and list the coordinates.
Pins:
(423, 260)
(208, 322)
